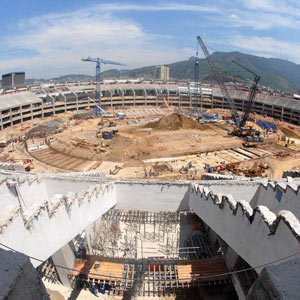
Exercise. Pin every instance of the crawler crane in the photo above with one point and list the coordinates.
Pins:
(252, 137)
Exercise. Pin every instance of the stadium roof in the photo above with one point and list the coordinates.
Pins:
(13, 100)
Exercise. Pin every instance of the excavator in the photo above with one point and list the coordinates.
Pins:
(251, 136)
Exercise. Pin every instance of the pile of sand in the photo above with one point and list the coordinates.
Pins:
(289, 130)
(176, 121)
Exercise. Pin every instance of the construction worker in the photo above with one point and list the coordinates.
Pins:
(94, 290)
(82, 251)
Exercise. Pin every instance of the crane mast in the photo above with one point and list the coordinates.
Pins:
(98, 62)
(218, 76)
(196, 75)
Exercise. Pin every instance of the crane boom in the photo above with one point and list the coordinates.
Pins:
(252, 93)
(219, 78)
(102, 61)
(243, 67)
(98, 62)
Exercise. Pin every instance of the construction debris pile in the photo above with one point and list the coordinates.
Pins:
(176, 121)
(257, 169)
(45, 129)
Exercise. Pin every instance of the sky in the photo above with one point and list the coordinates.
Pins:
(48, 38)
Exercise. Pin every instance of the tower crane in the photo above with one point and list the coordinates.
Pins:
(98, 62)
(251, 136)
(196, 75)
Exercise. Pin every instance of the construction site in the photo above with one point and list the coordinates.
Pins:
(139, 253)
(154, 143)
(150, 191)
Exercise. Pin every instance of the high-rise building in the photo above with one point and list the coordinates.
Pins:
(162, 72)
(13, 80)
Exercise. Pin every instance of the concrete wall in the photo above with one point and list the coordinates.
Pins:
(19, 280)
(278, 282)
(152, 196)
(47, 211)
(238, 189)
(46, 226)
(258, 236)
(61, 185)
(278, 197)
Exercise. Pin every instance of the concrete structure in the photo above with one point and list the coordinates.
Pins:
(20, 107)
(237, 211)
(19, 279)
(278, 282)
(35, 207)
(162, 73)
(13, 80)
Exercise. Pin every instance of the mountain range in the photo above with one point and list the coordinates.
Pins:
(275, 73)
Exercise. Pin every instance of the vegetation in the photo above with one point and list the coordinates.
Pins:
(275, 73)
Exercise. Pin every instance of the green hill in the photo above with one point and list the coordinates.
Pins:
(275, 73)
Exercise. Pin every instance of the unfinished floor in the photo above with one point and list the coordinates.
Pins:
(149, 254)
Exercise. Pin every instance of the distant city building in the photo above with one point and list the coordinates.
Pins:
(13, 80)
(162, 72)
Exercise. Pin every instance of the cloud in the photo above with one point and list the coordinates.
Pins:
(279, 6)
(59, 41)
(268, 46)
(158, 7)
(53, 44)
(260, 20)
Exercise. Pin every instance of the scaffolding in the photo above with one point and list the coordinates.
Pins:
(150, 255)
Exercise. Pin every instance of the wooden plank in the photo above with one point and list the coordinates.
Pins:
(186, 272)
(106, 271)
(79, 266)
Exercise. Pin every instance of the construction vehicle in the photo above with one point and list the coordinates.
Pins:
(27, 163)
(166, 102)
(108, 135)
(115, 171)
(185, 169)
(252, 136)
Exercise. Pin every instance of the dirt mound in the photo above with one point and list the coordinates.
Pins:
(289, 130)
(176, 121)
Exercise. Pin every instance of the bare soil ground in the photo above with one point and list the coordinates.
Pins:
(174, 135)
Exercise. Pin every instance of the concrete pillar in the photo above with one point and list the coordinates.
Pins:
(122, 92)
(53, 105)
(230, 259)
(76, 96)
(31, 112)
(212, 236)
(145, 94)
(111, 97)
(65, 98)
(64, 257)
(133, 93)
(168, 97)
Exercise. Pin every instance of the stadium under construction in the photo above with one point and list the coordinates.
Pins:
(151, 197)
